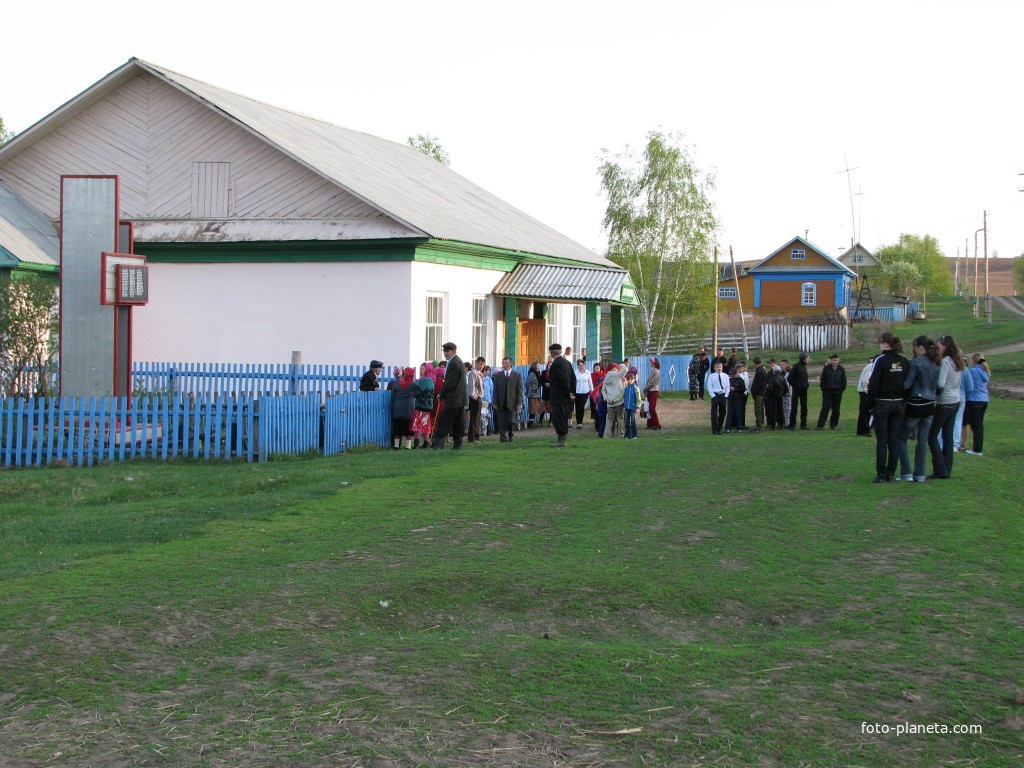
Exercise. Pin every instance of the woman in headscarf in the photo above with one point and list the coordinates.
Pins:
(423, 416)
(403, 405)
(535, 394)
(651, 390)
(600, 406)
(439, 371)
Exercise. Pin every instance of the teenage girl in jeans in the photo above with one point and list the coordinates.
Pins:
(885, 395)
(978, 404)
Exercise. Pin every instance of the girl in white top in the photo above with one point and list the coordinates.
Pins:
(584, 386)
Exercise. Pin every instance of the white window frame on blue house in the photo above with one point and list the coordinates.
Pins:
(808, 295)
(798, 254)
(727, 292)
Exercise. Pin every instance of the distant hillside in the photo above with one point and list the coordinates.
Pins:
(1000, 275)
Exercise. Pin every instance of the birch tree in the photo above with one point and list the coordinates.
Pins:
(5, 135)
(430, 146)
(29, 319)
(661, 227)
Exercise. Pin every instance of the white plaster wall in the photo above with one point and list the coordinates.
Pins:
(461, 284)
(339, 314)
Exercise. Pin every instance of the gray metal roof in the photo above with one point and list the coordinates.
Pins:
(400, 181)
(555, 282)
(25, 234)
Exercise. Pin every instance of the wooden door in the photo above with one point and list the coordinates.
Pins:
(531, 342)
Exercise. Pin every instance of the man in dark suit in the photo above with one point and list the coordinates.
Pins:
(508, 398)
(371, 379)
(562, 380)
(452, 418)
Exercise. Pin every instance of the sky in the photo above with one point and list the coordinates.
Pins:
(921, 100)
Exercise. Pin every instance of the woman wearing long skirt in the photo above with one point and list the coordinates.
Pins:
(652, 388)
(423, 416)
(534, 395)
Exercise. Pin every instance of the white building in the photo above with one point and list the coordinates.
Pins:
(268, 231)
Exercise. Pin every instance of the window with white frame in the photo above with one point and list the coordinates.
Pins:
(554, 313)
(858, 258)
(434, 327)
(727, 292)
(479, 327)
(798, 254)
(808, 295)
(579, 328)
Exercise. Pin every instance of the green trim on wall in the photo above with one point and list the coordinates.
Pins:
(512, 328)
(593, 320)
(491, 257)
(618, 333)
(287, 251)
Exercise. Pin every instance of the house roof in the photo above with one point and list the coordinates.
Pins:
(556, 282)
(402, 182)
(762, 267)
(26, 236)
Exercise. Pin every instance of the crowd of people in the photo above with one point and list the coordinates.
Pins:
(933, 399)
(464, 402)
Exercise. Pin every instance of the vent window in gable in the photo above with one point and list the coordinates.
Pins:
(211, 190)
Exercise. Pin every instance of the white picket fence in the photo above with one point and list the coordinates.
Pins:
(806, 338)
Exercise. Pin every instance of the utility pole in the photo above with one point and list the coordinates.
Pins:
(967, 269)
(956, 273)
(739, 302)
(988, 296)
(718, 279)
(976, 270)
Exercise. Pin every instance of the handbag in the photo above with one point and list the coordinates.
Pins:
(644, 412)
(920, 407)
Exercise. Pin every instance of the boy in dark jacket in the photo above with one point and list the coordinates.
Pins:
(833, 383)
(799, 383)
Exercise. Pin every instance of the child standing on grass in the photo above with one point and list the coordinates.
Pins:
(631, 403)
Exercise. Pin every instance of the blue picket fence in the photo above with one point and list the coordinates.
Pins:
(87, 431)
(251, 380)
(896, 314)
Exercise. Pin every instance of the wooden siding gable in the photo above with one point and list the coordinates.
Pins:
(178, 160)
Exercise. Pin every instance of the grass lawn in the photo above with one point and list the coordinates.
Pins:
(675, 600)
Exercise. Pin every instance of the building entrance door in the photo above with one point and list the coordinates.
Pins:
(531, 342)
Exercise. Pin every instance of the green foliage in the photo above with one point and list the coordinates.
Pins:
(29, 322)
(5, 135)
(900, 276)
(430, 146)
(1018, 275)
(661, 227)
(925, 254)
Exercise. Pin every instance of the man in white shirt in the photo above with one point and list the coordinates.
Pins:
(718, 389)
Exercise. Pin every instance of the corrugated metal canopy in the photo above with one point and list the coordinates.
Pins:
(25, 234)
(576, 284)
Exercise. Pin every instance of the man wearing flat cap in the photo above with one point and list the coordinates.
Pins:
(563, 391)
(371, 379)
(452, 418)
